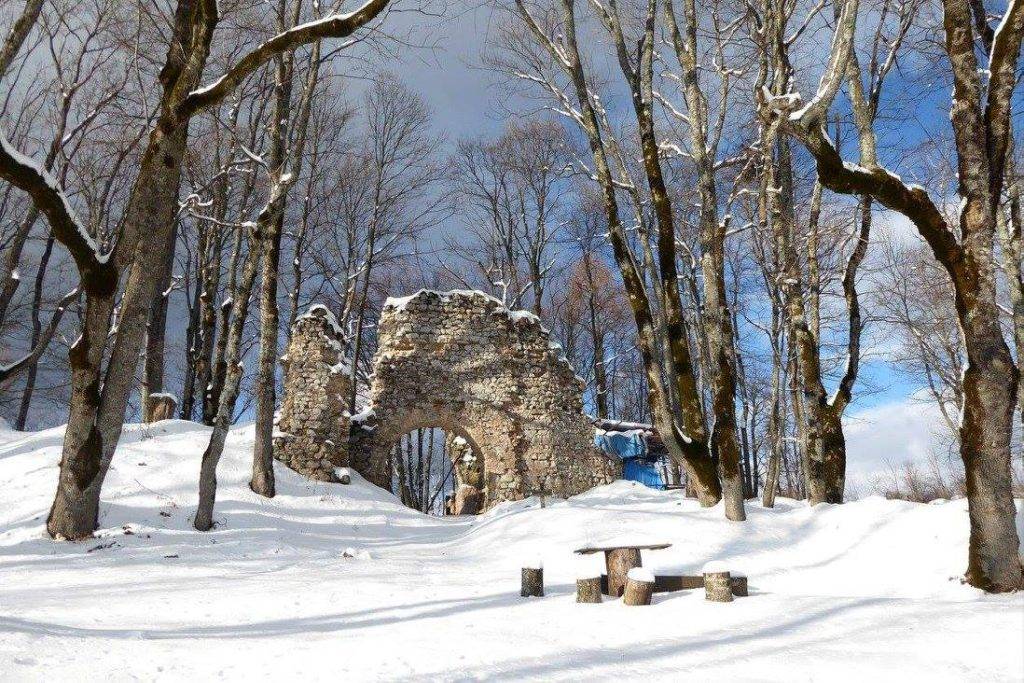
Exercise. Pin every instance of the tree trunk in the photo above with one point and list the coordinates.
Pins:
(717, 586)
(986, 427)
(37, 300)
(532, 582)
(96, 416)
(156, 331)
(637, 593)
(262, 481)
(618, 563)
(13, 258)
(667, 368)
(232, 379)
(192, 340)
(826, 475)
(724, 441)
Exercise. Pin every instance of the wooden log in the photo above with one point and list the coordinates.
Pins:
(588, 589)
(639, 587)
(739, 586)
(717, 584)
(667, 583)
(619, 561)
(533, 582)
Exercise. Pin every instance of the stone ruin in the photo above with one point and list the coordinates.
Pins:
(492, 379)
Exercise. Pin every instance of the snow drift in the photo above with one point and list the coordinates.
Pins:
(330, 581)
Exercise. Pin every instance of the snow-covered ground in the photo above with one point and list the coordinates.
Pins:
(867, 590)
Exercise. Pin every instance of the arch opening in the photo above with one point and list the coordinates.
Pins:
(437, 471)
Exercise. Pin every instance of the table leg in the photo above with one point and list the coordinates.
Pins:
(619, 562)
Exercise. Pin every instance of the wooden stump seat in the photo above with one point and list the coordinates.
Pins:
(619, 559)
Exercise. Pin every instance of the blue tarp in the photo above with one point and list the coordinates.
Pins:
(631, 448)
(648, 475)
(626, 445)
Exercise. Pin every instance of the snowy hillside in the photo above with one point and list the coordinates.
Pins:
(867, 590)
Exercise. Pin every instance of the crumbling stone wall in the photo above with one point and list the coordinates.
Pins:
(468, 493)
(312, 426)
(460, 361)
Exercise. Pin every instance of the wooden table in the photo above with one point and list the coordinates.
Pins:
(619, 559)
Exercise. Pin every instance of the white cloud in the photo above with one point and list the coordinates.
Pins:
(895, 228)
(908, 430)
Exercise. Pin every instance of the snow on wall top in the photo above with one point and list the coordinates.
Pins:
(400, 304)
(322, 312)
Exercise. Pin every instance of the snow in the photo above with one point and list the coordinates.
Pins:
(362, 416)
(343, 368)
(342, 582)
(324, 312)
(641, 574)
(400, 302)
(524, 315)
(1009, 16)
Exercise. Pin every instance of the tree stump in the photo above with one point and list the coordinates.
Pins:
(468, 500)
(619, 562)
(588, 589)
(639, 587)
(739, 586)
(159, 407)
(533, 582)
(717, 584)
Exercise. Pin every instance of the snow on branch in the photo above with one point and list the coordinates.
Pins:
(804, 121)
(333, 26)
(29, 175)
(1003, 60)
(835, 71)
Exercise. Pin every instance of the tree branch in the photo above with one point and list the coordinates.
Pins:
(26, 174)
(9, 372)
(1005, 55)
(19, 31)
(334, 26)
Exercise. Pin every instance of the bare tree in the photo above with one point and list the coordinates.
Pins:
(554, 33)
(513, 191)
(403, 188)
(980, 116)
(100, 397)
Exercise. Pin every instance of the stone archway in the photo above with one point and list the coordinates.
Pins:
(462, 362)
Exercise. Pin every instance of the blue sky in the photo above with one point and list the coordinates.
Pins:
(887, 422)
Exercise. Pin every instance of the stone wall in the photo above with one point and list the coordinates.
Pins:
(460, 361)
(464, 363)
(312, 426)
